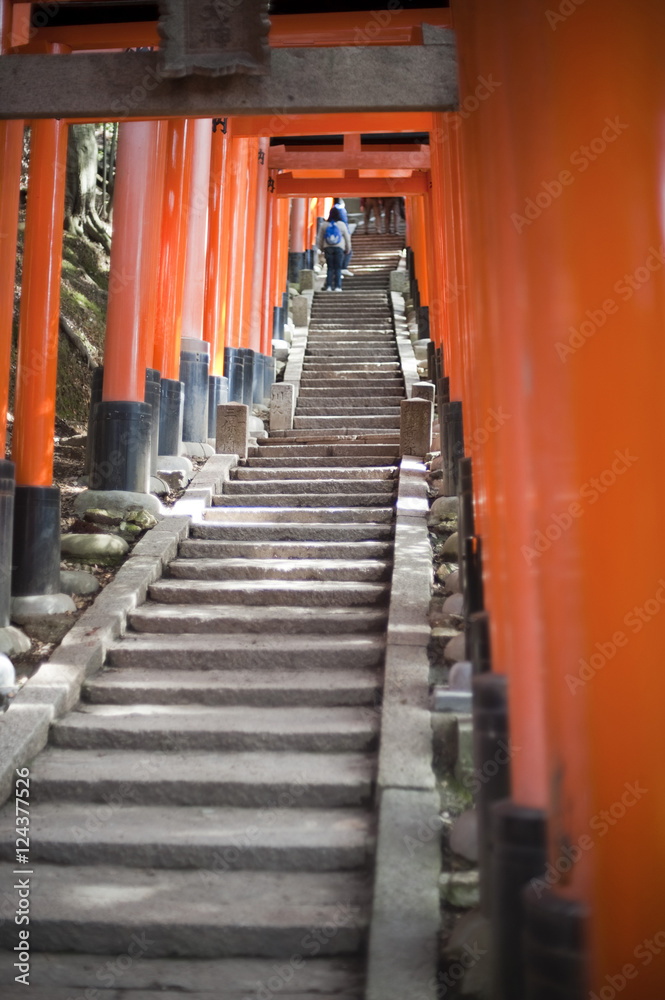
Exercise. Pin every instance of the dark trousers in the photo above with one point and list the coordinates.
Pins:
(334, 260)
(347, 260)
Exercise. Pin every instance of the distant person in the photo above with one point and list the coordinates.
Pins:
(391, 210)
(372, 205)
(335, 241)
(341, 208)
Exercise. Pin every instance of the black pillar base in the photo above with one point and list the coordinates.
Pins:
(452, 447)
(234, 369)
(554, 947)
(466, 516)
(296, 264)
(477, 642)
(491, 757)
(121, 458)
(153, 395)
(520, 854)
(7, 488)
(171, 412)
(194, 371)
(36, 541)
(248, 375)
(258, 377)
(423, 323)
(218, 393)
(268, 376)
(277, 323)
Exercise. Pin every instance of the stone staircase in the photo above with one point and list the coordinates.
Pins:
(203, 821)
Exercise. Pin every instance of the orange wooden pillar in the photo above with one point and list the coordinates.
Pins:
(123, 422)
(603, 336)
(36, 555)
(258, 245)
(215, 293)
(168, 320)
(194, 350)
(268, 270)
(236, 235)
(298, 238)
(249, 223)
(491, 348)
(11, 148)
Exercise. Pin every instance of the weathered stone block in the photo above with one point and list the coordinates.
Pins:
(306, 279)
(415, 427)
(300, 310)
(282, 405)
(399, 281)
(232, 429)
(423, 390)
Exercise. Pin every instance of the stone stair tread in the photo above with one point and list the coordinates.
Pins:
(329, 484)
(255, 473)
(243, 778)
(221, 511)
(318, 464)
(277, 569)
(318, 686)
(153, 727)
(216, 838)
(193, 548)
(233, 618)
(219, 653)
(311, 499)
(54, 976)
(291, 531)
(99, 909)
(264, 593)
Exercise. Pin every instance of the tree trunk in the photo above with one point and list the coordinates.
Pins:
(81, 216)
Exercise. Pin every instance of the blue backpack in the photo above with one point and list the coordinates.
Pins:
(333, 235)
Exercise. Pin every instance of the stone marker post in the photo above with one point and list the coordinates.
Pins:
(415, 433)
(282, 406)
(232, 429)
(423, 390)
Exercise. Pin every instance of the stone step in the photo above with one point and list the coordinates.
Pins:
(218, 839)
(306, 408)
(311, 515)
(304, 499)
(359, 393)
(204, 549)
(218, 654)
(312, 366)
(231, 619)
(312, 434)
(269, 593)
(303, 533)
(245, 780)
(348, 570)
(276, 448)
(258, 688)
(314, 464)
(220, 728)
(103, 909)
(375, 386)
(330, 471)
(359, 420)
(52, 978)
(306, 487)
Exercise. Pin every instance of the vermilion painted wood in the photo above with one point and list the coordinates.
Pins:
(136, 213)
(256, 247)
(150, 262)
(175, 211)
(217, 262)
(197, 231)
(334, 124)
(37, 363)
(236, 232)
(298, 239)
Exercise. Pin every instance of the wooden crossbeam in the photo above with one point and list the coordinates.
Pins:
(413, 158)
